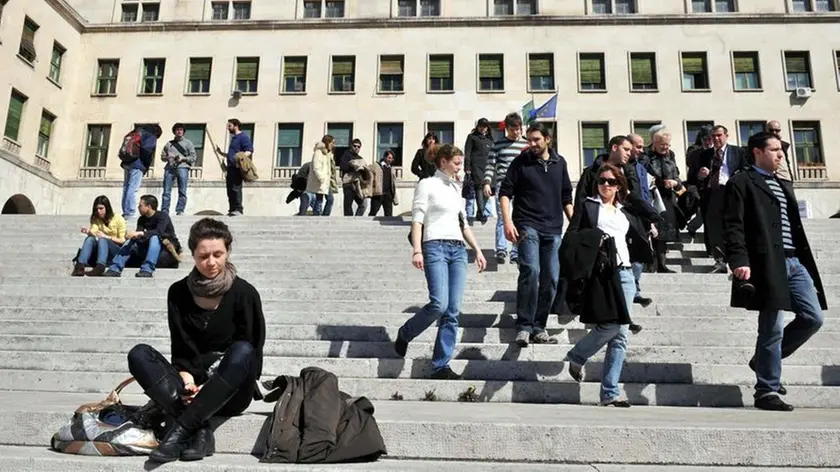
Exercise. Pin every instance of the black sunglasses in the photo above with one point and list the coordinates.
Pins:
(606, 181)
(775, 131)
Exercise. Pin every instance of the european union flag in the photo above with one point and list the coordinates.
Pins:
(547, 110)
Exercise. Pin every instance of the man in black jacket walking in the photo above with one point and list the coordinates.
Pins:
(772, 264)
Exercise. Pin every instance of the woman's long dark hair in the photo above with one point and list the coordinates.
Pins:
(426, 138)
(622, 191)
(109, 212)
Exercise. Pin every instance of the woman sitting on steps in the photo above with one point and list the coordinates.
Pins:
(217, 331)
(104, 237)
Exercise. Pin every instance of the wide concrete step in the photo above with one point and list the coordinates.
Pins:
(441, 431)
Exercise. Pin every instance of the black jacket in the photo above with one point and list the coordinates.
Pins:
(422, 167)
(753, 237)
(160, 225)
(313, 422)
(476, 150)
(736, 161)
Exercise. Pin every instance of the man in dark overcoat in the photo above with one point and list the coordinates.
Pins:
(772, 264)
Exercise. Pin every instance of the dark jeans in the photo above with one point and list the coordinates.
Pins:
(480, 203)
(172, 175)
(104, 250)
(539, 272)
(329, 204)
(350, 197)
(147, 365)
(233, 181)
(386, 202)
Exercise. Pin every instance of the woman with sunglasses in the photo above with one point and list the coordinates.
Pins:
(609, 213)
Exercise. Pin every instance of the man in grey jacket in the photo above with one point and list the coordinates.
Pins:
(179, 155)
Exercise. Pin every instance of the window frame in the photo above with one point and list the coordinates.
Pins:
(654, 70)
(199, 147)
(479, 88)
(98, 79)
(144, 7)
(284, 78)
(23, 53)
(42, 138)
(325, 9)
(836, 56)
(603, 59)
(255, 80)
(699, 124)
(220, 3)
(552, 73)
(581, 125)
(741, 139)
(512, 8)
(817, 127)
(240, 3)
(451, 59)
(103, 147)
(755, 55)
(380, 77)
(320, 4)
(332, 76)
(130, 8)
(23, 99)
(809, 64)
(706, 73)
(56, 68)
(144, 77)
(339, 150)
(712, 7)
(811, 7)
(190, 80)
(292, 159)
(648, 123)
(438, 127)
(399, 154)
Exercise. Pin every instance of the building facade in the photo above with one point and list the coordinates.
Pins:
(81, 73)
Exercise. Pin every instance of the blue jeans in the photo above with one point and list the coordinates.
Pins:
(502, 243)
(181, 174)
(638, 268)
(105, 250)
(777, 341)
(307, 200)
(614, 336)
(539, 271)
(318, 205)
(470, 209)
(131, 248)
(328, 206)
(132, 178)
(445, 265)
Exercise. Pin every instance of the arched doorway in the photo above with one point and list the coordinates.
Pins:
(18, 205)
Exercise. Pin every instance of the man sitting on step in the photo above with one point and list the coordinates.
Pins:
(154, 230)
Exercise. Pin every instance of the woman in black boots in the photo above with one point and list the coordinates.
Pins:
(217, 328)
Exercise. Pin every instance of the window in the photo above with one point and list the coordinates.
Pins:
(200, 69)
(106, 77)
(602, 7)
(429, 7)
(312, 9)
(294, 74)
(593, 138)
(247, 71)
(502, 7)
(248, 129)
(27, 40)
(824, 5)
(343, 134)
(643, 71)
(592, 71)
(716, 6)
(129, 12)
(241, 10)
(335, 9)
(642, 128)
(747, 129)
(391, 73)
(798, 69)
(14, 115)
(694, 70)
(407, 8)
(625, 7)
(44, 132)
(440, 73)
(220, 10)
(55, 62)
(151, 11)
(692, 128)
(289, 144)
(541, 72)
(153, 76)
(606, 7)
(445, 132)
(837, 66)
(801, 6)
(96, 151)
(195, 134)
(491, 73)
(390, 136)
(745, 66)
(806, 142)
(526, 7)
(343, 73)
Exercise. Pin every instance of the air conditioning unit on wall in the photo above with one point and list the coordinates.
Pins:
(804, 92)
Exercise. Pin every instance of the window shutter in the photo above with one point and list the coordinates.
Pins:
(200, 70)
(288, 137)
(641, 69)
(342, 67)
(796, 64)
(440, 68)
(594, 137)
(27, 40)
(246, 69)
(13, 119)
(744, 64)
(294, 67)
(390, 66)
(590, 71)
(693, 65)
(539, 66)
(490, 68)
(341, 135)
(46, 126)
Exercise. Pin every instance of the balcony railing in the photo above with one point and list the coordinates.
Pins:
(87, 173)
(196, 173)
(811, 172)
(11, 146)
(42, 162)
(284, 172)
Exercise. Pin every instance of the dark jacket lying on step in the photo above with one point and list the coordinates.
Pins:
(314, 422)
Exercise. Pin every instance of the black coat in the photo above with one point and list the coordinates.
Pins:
(664, 168)
(594, 293)
(476, 150)
(638, 243)
(313, 422)
(422, 167)
(752, 232)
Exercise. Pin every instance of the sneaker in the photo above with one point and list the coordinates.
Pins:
(635, 329)
(401, 347)
(644, 301)
(522, 338)
(616, 402)
(445, 373)
(782, 390)
(576, 372)
(235, 213)
(112, 273)
(144, 275)
(514, 259)
(772, 403)
(543, 338)
(501, 258)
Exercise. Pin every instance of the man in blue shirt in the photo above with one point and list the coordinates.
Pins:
(239, 142)
(133, 171)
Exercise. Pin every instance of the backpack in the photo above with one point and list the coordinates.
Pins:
(130, 149)
(246, 166)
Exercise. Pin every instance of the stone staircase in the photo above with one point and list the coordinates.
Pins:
(334, 293)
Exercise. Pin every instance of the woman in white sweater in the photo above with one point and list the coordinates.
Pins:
(320, 174)
(438, 234)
